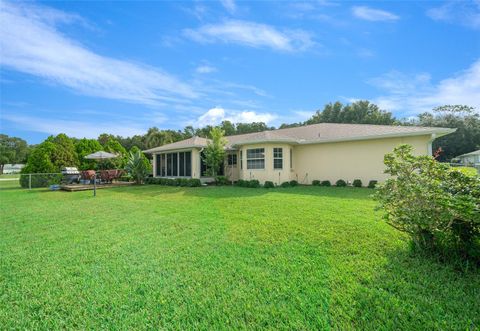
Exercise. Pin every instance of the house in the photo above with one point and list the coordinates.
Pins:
(12, 168)
(471, 159)
(324, 151)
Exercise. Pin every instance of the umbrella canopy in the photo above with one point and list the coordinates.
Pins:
(100, 155)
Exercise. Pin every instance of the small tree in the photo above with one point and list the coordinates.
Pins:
(136, 166)
(12, 150)
(438, 206)
(214, 153)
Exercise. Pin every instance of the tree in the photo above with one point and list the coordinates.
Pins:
(136, 166)
(12, 150)
(358, 112)
(214, 153)
(464, 140)
(148, 164)
(64, 154)
(83, 147)
(114, 147)
(228, 127)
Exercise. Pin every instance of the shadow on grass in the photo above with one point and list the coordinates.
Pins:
(219, 192)
(413, 291)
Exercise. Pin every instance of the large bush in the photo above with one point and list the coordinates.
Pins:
(136, 166)
(439, 207)
(341, 183)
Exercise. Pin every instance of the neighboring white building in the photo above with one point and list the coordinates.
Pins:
(12, 168)
(471, 159)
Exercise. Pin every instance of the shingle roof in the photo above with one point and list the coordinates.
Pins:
(316, 133)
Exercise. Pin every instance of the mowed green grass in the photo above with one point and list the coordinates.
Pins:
(155, 257)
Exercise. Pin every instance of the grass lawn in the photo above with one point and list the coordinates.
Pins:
(214, 258)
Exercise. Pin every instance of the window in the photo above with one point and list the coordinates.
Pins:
(291, 159)
(241, 159)
(232, 160)
(256, 158)
(278, 158)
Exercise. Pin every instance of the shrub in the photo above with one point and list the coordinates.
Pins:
(372, 183)
(268, 184)
(137, 167)
(170, 182)
(341, 183)
(357, 183)
(469, 171)
(285, 184)
(221, 180)
(325, 183)
(254, 183)
(240, 182)
(438, 207)
(316, 183)
(293, 183)
(178, 181)
(194, 182)
(184, 182)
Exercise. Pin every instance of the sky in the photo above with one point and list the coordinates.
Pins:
(88, 67)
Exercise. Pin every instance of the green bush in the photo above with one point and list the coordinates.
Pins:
(194, 182)
(268, 184)
(40, 180)
(316, 182)
(341, 183)
(438, 207)
(293, 183)
(325, 183)
(178, 181)
(254, 183)
(372, 183)
(240, 183)
(357, 183)
(221, 180)
(469, 171)
(285, 184)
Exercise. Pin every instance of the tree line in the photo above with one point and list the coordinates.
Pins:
(59, 151)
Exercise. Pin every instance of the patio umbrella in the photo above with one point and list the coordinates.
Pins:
(99, 156)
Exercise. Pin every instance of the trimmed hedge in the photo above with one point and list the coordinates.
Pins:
(357, 183)
(268, 184)
(293, 183)
(316, 182)
(221, 180)
(285, 184)
(184, 182)
(254, 183)
(341, 183)
(325, 183)
(372, 183)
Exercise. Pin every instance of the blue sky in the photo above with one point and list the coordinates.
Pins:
(89, 67)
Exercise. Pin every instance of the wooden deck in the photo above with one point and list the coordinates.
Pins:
(85, 187)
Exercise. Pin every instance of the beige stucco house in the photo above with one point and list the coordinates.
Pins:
(323, 151)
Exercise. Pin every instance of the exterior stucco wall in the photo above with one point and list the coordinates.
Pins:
(349, 160)
(268, 173)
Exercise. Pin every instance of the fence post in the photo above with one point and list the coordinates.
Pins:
(29, 181)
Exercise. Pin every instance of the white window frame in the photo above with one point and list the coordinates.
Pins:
(256, 158)
(277, 150)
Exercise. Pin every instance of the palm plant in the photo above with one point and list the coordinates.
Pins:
(137, 167)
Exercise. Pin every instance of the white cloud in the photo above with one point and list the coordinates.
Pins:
(371, 14)
(30, 42)
(216, 115)
(73, 128)
(413, 94)
(229, 5)
(205, 69)
(465, 13)
(253, 35)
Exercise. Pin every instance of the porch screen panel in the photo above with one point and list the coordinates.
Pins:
(181, 164)
(163, 165)
(158, 168)
(175, 164)
(169, 165)
(188, 164)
